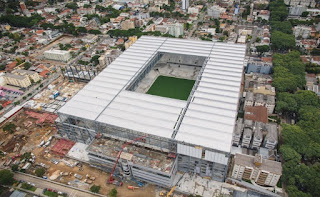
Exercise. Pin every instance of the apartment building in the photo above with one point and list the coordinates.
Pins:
(130, 41)
(262, 171)
(21, 78)
(17, 80)
(175, 29)
(59, 55)
(267, 101)
(127, 24)
(31, 74)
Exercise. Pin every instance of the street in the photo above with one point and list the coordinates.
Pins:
(42, 183)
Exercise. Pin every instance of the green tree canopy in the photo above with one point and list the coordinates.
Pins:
(282, 41)
(113, 192)
(95, 188)
(40, 172)
(6, 177)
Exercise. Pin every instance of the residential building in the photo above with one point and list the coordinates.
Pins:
(306, 3)
(256, 114)
(257, 135)
(184, 5)
(264, 172)
(247, 134)
(261, 99)
(59, 55)
(297, 10)
(215, 11)
(86, 11)
(302, 31)
(17, 80)
(271, 139)
(159, 3)
(175, 29)
(127, 24)
(193, 10)
(31, 74)
(249, 100)
(162, 28)
(237, 132)
(21, 78)
(130, 41)
(259, 67)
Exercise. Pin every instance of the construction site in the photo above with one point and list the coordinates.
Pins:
(34, 133)
(55, 95)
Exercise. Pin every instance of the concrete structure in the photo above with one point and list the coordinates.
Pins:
(257, 135)
(58, 55)
(237, 132)
(193, 10)
(162, 28)
(193, 136)
(175, 29)
(259, 99)
(259, 67)
(17, 80)
(184, 5)
(262, 171)
(271, 139)
(131, 40)
(297, 10)
(215, 11)
(86, 11)
(159, 3)
(302, 31)
(247, 134)
(127, 24)
(21, 78)
(306, 3)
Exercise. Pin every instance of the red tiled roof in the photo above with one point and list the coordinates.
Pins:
(257, 114)
(44, 73)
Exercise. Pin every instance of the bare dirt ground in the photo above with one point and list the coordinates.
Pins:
(101, 177)
(29, 135)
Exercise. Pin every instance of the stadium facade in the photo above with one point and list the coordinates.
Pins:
(193, 136)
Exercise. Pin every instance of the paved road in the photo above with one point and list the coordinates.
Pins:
(41, 183)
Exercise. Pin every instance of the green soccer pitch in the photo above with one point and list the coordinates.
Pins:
(171, 87)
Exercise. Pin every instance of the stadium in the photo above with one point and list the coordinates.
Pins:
(180, 97)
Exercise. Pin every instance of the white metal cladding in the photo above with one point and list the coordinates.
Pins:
(207, 121)
(216, 157)
(189, 151)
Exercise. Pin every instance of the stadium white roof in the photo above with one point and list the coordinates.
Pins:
(210, 116)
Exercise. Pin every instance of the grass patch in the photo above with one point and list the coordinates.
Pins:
(171, 87)
(51, 194)
(28, 187)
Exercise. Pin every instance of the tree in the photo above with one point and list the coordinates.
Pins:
(296, 138)
(286, 103)
(40, 172)
(282, 41)
(262, 49)
(27, 65)
(95, 188)
(113, 192)
(15, 167)
(95, 60)
(82, 29)
(284, 27)
(305, 14)
(306, 98)
(6, 177)
(9, 128)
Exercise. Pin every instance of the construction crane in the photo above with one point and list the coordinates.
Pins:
(111, 180)
(172, 189)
